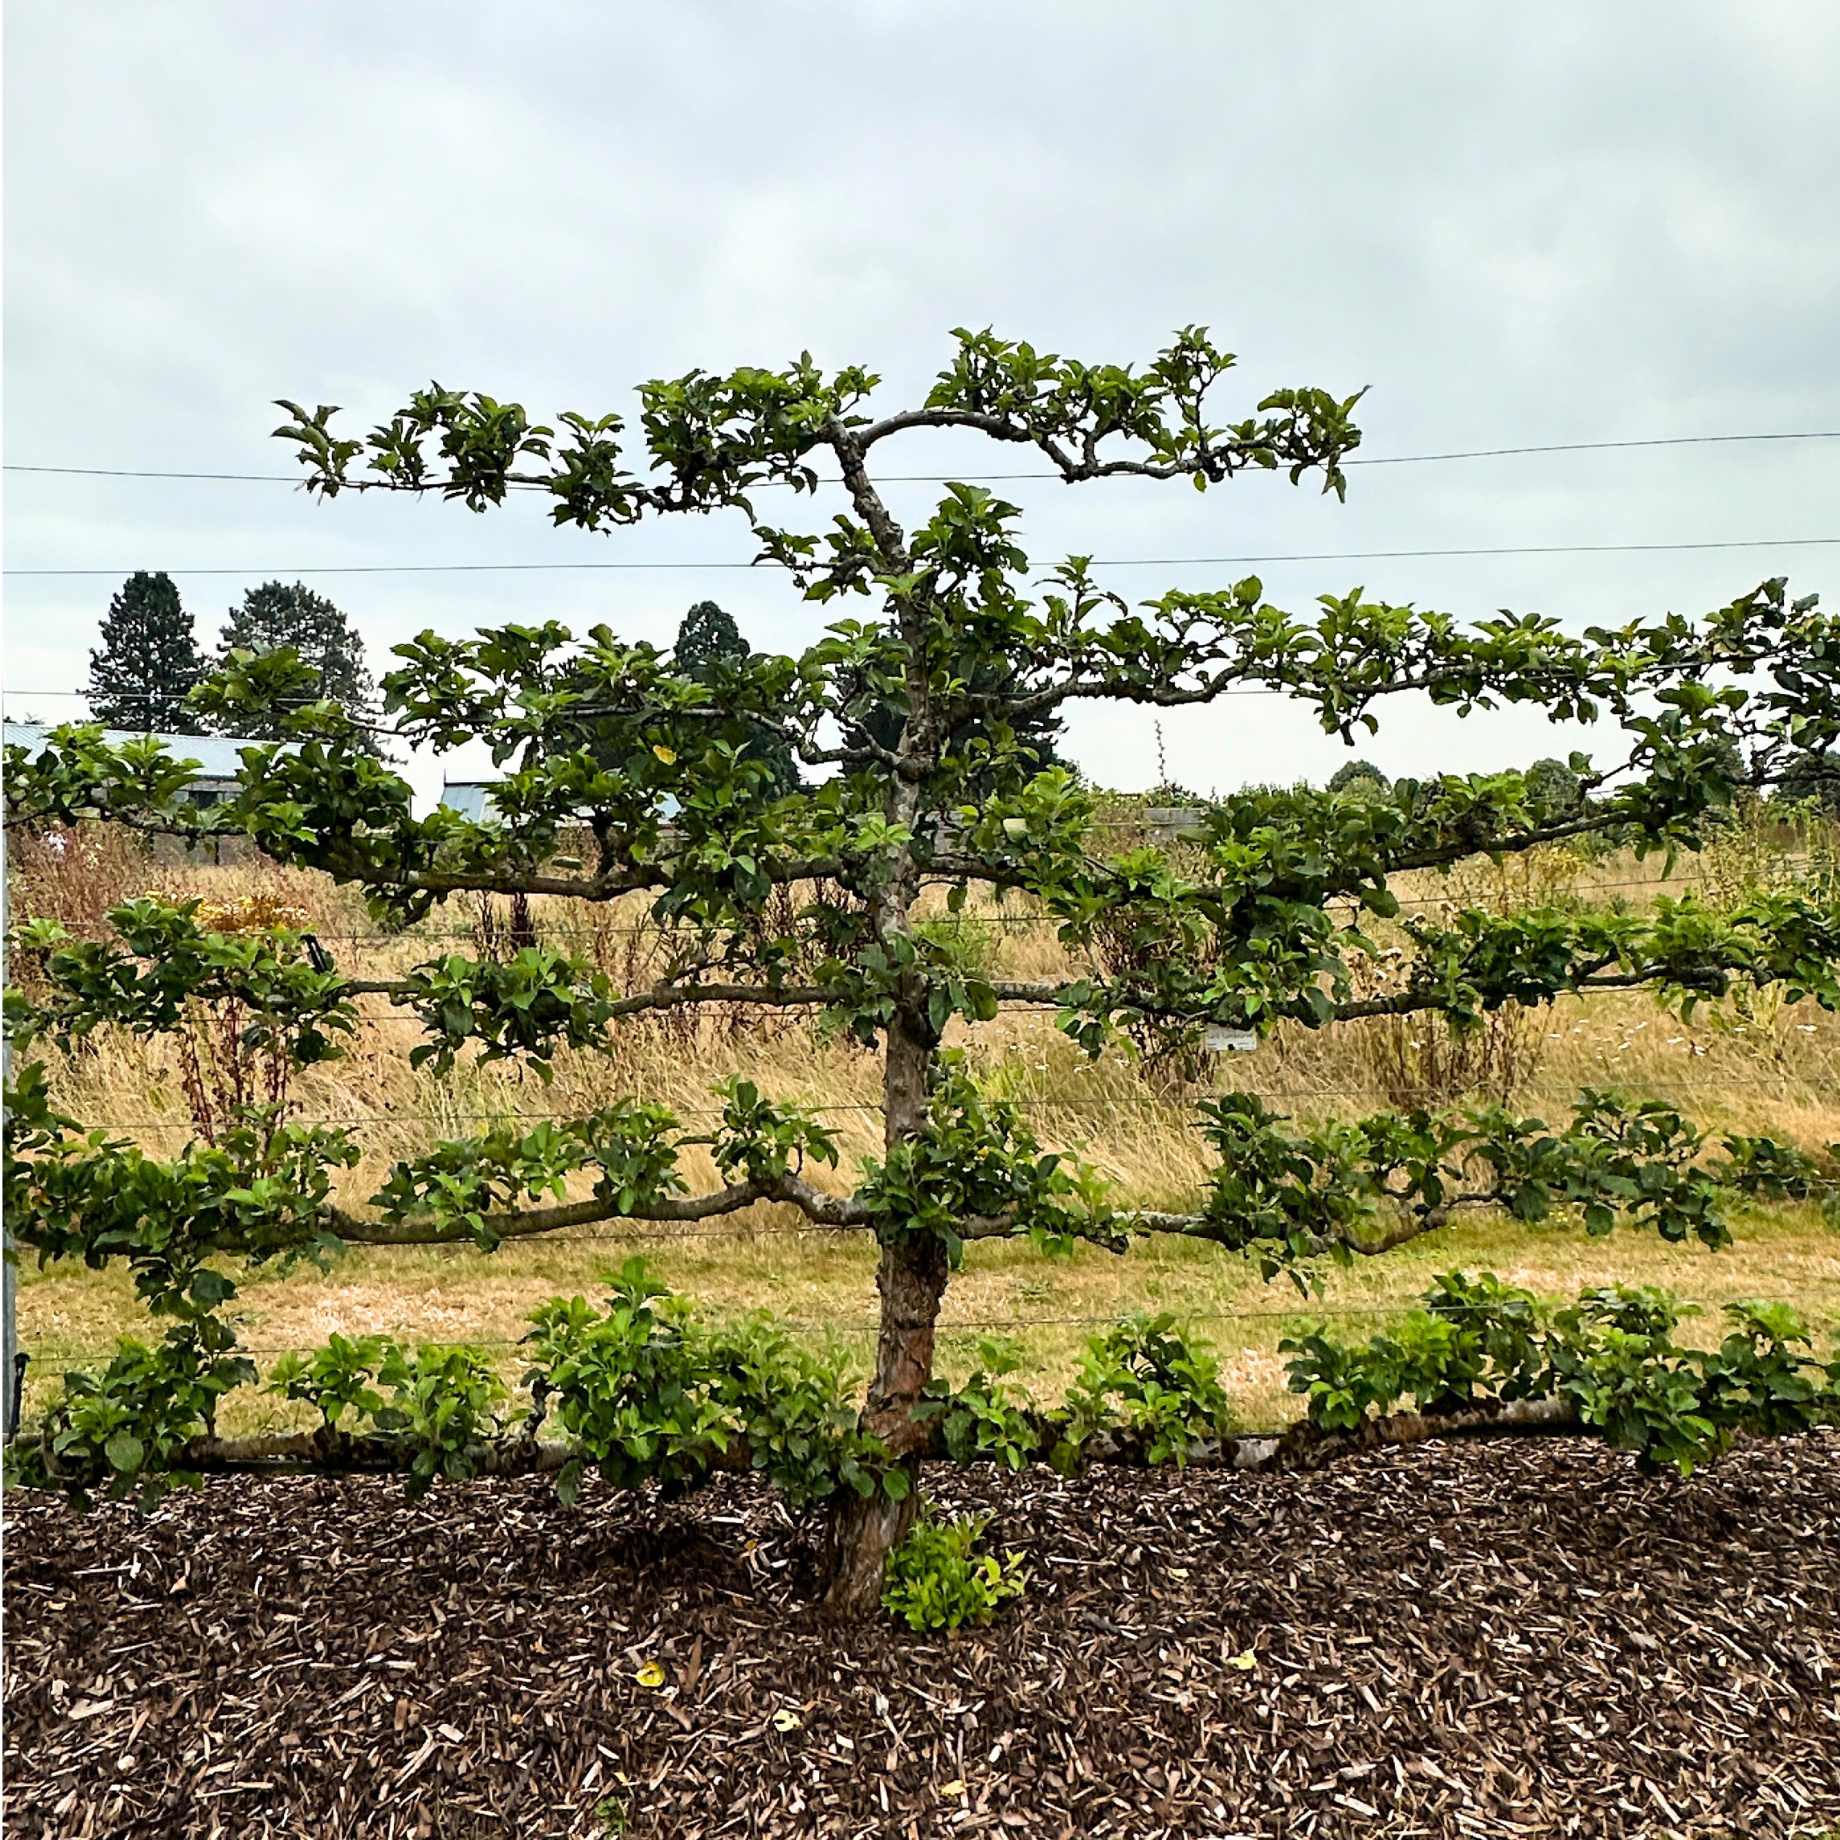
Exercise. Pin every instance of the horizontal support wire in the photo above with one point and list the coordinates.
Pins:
(1096, 562)
(587, 930)
(1724, 1086)
(1428, 459)
(810, 1325)
(1708, 1088)
(1010, 1005)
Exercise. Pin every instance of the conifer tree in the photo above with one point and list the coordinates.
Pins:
(148, 661)
(280, 615)
(709, 650)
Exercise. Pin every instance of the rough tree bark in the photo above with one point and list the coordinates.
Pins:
(911, 1280)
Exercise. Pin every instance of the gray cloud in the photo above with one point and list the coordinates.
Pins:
(1571, 222)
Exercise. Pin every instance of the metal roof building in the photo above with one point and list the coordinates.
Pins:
(219, 757)
(472, 798)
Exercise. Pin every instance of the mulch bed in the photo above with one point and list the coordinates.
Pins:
(1466, 1641)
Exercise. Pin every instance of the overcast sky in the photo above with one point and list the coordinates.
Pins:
(1570, 222)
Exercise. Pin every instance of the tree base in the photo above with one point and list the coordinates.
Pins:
(861, 1535)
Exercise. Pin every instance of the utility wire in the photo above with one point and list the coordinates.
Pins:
(1470, 453)
(1097, 562)
(579, 709)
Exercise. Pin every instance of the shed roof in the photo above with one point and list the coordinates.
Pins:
(218, 756)
(471, 798)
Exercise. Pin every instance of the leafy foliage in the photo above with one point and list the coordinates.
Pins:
(1143, 1377)
(1360, 777)
(438, 1405)
(975, 1162)
(646, 1392)
(990, 1418)
(527, 1005)
(937, 1579)
(167, 959)
(710, 649)
(126, 1430)
(1555, 788)
(1287, 1194)
(259, 1192)
(1611, 1355)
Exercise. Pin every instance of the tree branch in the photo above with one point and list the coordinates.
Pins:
(660, 996)
(1406, 1003)
(841, 1212)
(1216, 461)
(1113, 1232)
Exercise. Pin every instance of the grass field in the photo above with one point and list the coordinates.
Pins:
(1757, 1065)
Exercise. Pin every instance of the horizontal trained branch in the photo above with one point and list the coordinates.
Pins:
(828, 1211)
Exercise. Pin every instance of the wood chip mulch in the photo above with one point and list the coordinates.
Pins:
(1466, 1641)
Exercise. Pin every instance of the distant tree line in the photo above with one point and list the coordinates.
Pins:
(149, 660)
(1555, 788)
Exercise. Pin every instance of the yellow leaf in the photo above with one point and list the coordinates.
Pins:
(649, 1674)
(786, 1720)
(954, 1787)
(667, 755)
(1245, 1662)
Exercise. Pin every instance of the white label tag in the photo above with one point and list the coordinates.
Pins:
(1219, 1039)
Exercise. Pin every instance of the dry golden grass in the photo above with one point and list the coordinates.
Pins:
(1756, 1066)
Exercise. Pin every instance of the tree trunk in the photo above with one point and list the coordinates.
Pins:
(912, 1273)
(911, 1279)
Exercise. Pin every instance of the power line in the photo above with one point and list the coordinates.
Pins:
(1098, 562)
(1471, 453)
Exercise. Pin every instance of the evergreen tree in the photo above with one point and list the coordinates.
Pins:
(1554, 789)
(1814, 779)
(1362, 777)
(709, 643)
(278, 615)
(141, 674)
(707, 633)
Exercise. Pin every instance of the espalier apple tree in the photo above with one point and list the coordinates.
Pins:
(912, 720)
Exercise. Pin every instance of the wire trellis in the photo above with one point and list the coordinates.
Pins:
(1724, 1086)
(545, 930)
(1312, 1310)
(1356, 459)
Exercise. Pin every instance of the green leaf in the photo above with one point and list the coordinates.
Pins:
(124, 1451)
